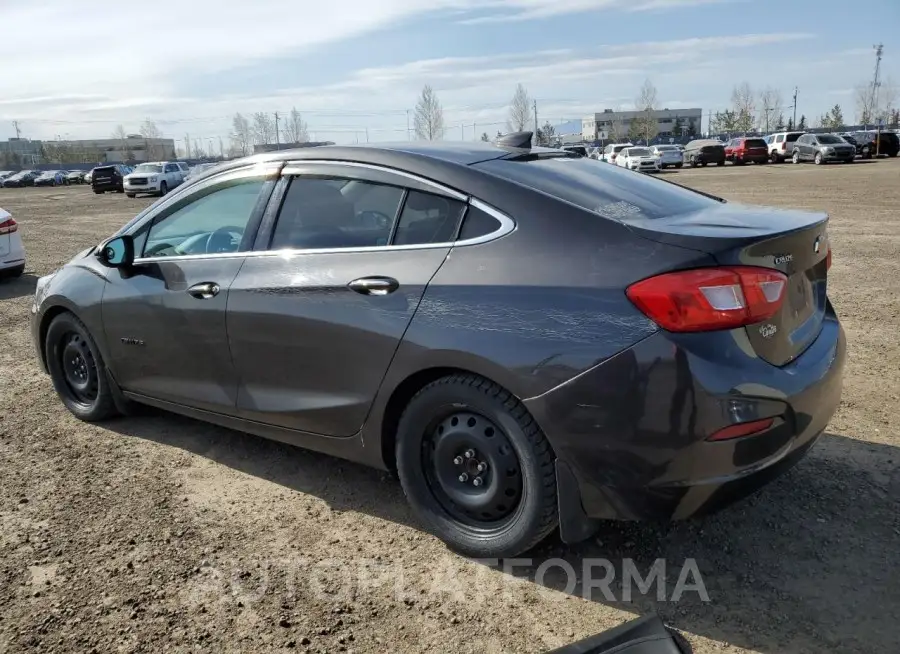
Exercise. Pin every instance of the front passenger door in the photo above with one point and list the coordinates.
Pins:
(164, 317)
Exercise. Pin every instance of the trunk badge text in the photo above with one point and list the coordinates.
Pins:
(784, 258)
(132, 341)
(768, 331)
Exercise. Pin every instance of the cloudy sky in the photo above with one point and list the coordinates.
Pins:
(354, 68)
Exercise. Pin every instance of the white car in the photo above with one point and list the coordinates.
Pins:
(668, 155)
(155, 178)
(638, 158)
(612, 150)
(12, 251)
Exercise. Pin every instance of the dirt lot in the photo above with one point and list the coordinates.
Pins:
(158, 533)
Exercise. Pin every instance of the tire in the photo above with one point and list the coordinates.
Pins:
(462, 414)
(693, 162)
(80, 380)
(679, 165)
(866, 152)
(13, 272)
(795, 157)
(818, 159)
(96, 192)
(849, 161)
(703, 164)
(163, 189)
(774, 158)
(131, 195)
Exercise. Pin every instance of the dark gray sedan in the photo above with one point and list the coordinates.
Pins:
(532, 339)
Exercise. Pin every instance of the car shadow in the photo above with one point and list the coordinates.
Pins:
(805, 565)
(15, 287)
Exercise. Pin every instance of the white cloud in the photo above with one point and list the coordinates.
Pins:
(519, 10)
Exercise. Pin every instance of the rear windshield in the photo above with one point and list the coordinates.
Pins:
(611, 191)
(580, 150)
(665, 148)
(638, 152)
(830, 138)
(754, 143)
(712, 148)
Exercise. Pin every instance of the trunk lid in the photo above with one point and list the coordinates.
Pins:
(793, 242)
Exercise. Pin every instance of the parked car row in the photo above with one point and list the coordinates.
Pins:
(151, 178)
(774, 148)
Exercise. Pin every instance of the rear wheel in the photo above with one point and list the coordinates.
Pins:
(679, 165)
(13, 272)
(795, 158)
(131, 195)
(819, 160)
(476, 468)
(77, 370)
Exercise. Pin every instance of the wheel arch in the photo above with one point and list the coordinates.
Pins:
(46, 318)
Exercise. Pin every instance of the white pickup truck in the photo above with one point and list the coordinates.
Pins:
(155, 178)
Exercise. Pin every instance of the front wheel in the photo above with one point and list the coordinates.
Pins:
(679, 165)
(476, 468)
(77, 370)
(818, 160)
(163, 189)
(131, 195)
(795, 158)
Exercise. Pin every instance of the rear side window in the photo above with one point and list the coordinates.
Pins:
(609, 191)
(790, 138)
(478, 223)
(428, 218)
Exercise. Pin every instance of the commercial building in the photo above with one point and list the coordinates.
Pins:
(25, 152)
(15, 153)
(669, 122)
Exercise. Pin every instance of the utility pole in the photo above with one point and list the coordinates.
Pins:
(367, 134)
(18, 131)
(408, 135)
(277, 143)
(187, 146)
(795, 107)
(535, 138)
(879, 49)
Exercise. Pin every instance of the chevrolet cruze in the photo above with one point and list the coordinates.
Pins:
(533, 340)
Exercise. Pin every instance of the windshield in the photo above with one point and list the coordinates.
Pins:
(148, 168)
(609, 191)
(639, 152)
(830, 138)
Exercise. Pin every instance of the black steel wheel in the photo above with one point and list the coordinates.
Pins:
(472, 469)
(476, 468)
(77, 369)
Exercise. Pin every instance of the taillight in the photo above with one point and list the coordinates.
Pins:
(707, 299)
(8, 226)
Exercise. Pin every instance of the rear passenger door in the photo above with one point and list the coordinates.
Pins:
(318, 310)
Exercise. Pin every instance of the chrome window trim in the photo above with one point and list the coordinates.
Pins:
(507, 226)
(292, 168)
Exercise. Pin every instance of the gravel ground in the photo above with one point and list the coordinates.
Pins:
(158, 533)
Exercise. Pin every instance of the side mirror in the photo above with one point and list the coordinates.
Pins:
(117, 252)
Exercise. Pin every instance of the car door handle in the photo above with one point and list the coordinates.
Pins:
(374, 285)
(204, 290)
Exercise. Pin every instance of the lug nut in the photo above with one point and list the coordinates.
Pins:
(482, 466)
(470, 454)
(458, 460)
(464, 477)
(477, 481)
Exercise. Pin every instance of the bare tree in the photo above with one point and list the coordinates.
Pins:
(295, 128)
(615, 126)
(151, 132)
(744, 106)
(263, 129)
(519, 110)
(240, 136)
(644, 125)
(770, 102)
(429, 116)
(121, 137)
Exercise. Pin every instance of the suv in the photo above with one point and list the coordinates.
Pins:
(869, 142)
(155, 178)
(108, 178)
(822, 148)
(704, 151)
(743, 149)
(781, 145)
(612, 149)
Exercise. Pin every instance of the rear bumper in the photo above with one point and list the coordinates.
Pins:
(633, 430)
